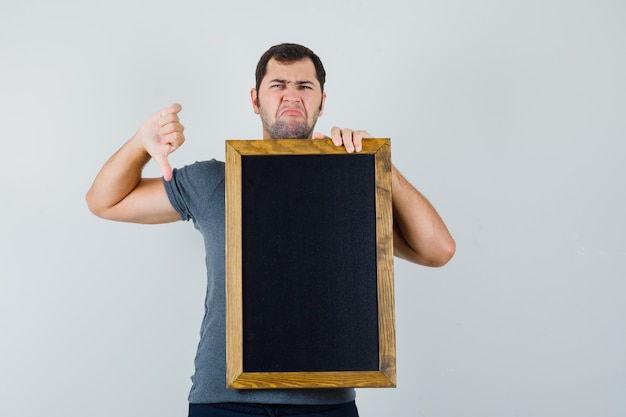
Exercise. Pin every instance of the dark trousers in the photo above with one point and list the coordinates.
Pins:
(272, 410)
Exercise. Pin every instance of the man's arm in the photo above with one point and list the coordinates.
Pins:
(120, 193)
(420, 235)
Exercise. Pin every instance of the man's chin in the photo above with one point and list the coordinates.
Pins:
(291, 131)
(291, 137)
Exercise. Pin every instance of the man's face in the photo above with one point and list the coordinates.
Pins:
(289, 100)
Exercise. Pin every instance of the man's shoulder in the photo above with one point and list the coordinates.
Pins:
(200, 174)
(195, 186)
(206, 167)
(209, 164)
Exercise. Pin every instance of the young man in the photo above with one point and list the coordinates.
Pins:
(289, 97)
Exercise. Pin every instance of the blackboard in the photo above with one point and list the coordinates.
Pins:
(309, 265)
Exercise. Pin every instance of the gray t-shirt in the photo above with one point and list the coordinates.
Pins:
(197, 193)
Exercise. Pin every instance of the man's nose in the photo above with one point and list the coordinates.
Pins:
(291, 93)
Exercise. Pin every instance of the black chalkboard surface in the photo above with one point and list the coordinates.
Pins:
(309, 265)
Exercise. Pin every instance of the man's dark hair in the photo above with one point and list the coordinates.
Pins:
(286, 53)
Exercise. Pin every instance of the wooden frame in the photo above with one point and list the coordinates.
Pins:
(385, 373)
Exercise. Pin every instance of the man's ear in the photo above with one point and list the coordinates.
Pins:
(255, 100)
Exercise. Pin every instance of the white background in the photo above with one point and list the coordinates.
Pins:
(510, 116)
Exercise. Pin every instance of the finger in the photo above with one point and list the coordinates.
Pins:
(318, 135)
(169, 114)
(174, 108)
(165, 166)
(348, 139)
(335, 135)
(169, 118)
(357, 142)
(357, 139)
(171, 127)
(173, 141)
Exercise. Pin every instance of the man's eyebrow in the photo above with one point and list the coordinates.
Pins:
(280, 81)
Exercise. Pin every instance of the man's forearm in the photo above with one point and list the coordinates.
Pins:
(117, 178)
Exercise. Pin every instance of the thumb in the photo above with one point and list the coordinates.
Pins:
(318, 135)
(165, 166)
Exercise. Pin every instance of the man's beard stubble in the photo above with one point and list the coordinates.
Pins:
(291, 129)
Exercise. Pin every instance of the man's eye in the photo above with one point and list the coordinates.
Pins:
(305, 87)
(277, 86)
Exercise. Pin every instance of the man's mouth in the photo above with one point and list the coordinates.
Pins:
(291, 112)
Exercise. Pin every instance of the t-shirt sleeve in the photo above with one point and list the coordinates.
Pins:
(192, 187)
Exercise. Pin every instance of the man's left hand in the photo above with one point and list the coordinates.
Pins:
(350, 139)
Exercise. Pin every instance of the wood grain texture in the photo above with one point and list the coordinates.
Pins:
(344, 379)
(234, 310)
(299, 146)
(384, 254)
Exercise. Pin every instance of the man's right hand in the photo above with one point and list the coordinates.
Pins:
(161, 135)
(119, 192)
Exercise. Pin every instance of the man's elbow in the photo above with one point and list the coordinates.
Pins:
(434, 255)
(444, 253)
(93, 206)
